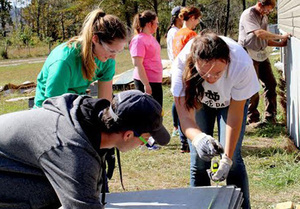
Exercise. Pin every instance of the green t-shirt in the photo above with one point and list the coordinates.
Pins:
(62, 73)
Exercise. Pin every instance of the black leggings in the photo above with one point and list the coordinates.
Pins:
(157, 91)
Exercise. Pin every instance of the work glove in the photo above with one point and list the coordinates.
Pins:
(223, 170)
(206, 146)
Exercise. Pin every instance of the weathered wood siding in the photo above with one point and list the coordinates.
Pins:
(289, 16)
(289, 21)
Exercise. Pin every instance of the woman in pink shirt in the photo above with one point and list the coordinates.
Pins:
(145, 53)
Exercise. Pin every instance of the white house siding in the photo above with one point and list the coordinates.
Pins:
(289, 21)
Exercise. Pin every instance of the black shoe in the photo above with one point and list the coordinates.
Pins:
(185, 148)
(252, 121)
(270, 120)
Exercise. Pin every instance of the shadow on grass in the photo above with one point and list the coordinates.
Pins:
(261, 152)
(266, 130)
(173, 147)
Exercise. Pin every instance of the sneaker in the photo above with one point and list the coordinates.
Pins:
(175, 132)
(185, 148)
(153, 147)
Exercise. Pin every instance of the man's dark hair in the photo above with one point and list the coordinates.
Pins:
(109, 124)
(268, 2)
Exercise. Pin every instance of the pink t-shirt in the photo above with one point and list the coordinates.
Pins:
(146, 46)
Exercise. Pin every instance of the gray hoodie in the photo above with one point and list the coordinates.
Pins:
(46, 159)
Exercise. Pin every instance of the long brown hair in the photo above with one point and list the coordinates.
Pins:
(107, 27)
(206, 46)
(141, 19)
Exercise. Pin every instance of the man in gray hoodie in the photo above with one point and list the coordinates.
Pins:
(54, 156)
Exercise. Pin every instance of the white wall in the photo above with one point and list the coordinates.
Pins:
(291, 60)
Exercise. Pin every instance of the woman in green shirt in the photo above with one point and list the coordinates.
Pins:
(72, 66)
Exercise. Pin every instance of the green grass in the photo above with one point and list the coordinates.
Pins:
(272, 163)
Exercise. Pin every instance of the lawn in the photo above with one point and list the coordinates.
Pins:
(272, 163)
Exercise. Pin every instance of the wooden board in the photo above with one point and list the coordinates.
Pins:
(225, 197)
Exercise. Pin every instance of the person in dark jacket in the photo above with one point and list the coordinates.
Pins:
(54, 156)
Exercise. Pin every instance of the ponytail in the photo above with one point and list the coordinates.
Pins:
(136, 25)
(187, 12)
(107, 27)
(172, 22)
(140, 20)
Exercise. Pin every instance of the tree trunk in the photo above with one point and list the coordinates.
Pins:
(127, 15)
(244, 4)
(136, 7)
(38, 19)
(227, 18)
(155, 7)
(183, 3)
(62, 26)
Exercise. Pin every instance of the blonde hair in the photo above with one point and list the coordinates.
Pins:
(108, 28)
(141, 19)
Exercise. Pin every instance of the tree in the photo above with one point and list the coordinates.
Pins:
(4, 51)
(5, 7)
(26, 37)
(227, 17)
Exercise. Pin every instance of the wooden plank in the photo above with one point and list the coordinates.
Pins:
(296, 11)
(285, 28)
(123, 78)
(289, 6)
(127, 76)
(282, 3)
(296, 22)
(296, 33)
(284, 15)
(174, 198)
(295, 65)
(223, 197)
(286, 22)
(236, 198)
(285, 205)
(292, 62)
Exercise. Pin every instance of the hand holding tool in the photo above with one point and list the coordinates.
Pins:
(214, 166)
(223, 170)
(206, 146)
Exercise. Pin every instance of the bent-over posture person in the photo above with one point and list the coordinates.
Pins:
(54, 156)
(72, 66)
(213, 78)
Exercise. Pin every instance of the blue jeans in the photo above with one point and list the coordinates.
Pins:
(205, 119)
(176, 123)
(174, 115)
